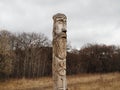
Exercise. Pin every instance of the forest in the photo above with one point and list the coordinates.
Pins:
(29, 55)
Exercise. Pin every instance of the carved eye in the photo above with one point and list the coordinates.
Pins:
(60, 21)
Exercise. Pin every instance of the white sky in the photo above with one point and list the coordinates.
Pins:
(89, 21)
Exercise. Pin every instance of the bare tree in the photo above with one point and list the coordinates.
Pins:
(6, 54)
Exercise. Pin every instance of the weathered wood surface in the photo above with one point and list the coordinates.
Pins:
(59, 52)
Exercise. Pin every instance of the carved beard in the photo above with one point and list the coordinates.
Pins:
(60, 45)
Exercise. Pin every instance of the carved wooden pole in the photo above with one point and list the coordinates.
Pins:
(59, 52)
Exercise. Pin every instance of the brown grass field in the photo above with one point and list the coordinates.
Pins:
(110, 81)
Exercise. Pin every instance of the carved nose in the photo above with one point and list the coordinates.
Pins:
(64, 30)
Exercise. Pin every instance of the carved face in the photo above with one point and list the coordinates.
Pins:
(60, 25)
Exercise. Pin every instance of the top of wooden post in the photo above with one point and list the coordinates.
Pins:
(59, 15)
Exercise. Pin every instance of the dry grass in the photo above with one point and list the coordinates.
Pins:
(109, 81)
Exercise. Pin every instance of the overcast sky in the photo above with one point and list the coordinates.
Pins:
(89, 21)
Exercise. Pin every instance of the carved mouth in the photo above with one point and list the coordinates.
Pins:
(64, 36)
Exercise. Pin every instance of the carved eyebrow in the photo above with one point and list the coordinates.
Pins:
(59, 19)
(63, 20)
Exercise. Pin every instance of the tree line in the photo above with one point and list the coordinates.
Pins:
(94, 58)
(24, 55)
(29, 55)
